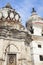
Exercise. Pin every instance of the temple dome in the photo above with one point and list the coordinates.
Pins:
(9, 17)
(8, 12)
(35, 19)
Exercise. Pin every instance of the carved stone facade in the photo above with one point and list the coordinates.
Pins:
(20, 45)
(14, 39)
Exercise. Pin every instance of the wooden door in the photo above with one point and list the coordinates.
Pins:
(11, 59)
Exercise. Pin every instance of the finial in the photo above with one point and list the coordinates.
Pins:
(8, 5)
(33, 10)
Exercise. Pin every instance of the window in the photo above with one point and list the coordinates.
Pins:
(42, 31)
(41, 57)
(42, 34)
(31, 29)
(39, 46)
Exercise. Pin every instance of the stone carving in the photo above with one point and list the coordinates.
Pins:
(11, 59)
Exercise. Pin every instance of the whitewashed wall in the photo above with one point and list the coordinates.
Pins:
(36, 52)
(37, 30)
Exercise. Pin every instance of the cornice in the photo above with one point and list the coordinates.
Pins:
(36, 37)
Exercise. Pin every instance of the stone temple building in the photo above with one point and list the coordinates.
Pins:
(20, 45)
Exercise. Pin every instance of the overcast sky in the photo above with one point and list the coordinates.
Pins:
(24, 7)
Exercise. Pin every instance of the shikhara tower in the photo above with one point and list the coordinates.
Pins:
(20, 45)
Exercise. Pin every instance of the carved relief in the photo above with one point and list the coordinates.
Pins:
(11, 59)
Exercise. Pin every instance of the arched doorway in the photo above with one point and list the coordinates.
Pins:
(11, 54)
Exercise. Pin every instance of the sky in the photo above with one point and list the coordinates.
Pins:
(24, 7)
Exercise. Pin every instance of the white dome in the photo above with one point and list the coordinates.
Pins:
(8, 13)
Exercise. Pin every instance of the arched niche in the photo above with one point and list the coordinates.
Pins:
(11, 48)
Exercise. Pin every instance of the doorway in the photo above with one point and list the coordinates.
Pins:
(11, 59)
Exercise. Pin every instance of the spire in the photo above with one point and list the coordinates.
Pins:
(33, 10)
(8, 5)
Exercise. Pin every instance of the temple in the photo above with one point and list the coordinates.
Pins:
(20, 45)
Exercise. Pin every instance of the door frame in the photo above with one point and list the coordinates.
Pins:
(15, 58)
